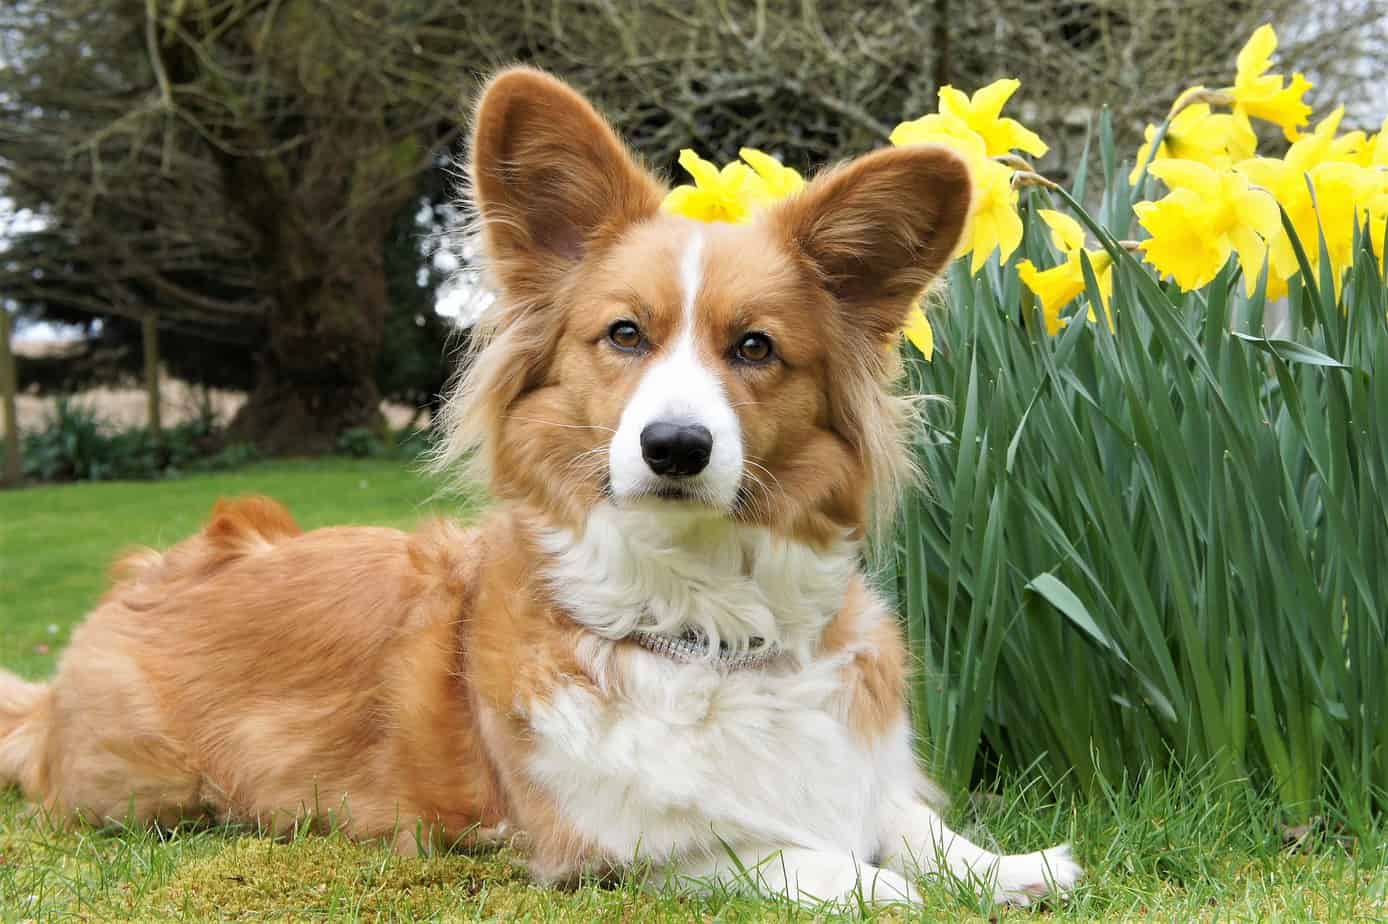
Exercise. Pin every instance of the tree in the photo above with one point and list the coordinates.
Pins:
(234, 166)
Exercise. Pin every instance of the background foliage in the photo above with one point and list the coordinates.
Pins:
(243, 169)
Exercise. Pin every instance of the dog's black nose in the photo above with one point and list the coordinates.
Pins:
(676, 449)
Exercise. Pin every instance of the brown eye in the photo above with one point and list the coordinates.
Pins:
(754, 348)
(625, 336)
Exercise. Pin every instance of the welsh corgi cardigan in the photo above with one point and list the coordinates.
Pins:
(659, 647)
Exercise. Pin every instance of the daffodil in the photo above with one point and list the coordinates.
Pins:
(1344, 195)
(1207, 216)
(919, 332)
(1342, 191)
(1260, 95)
(1196, 133)
(941, 128)
(732, 194)
(1060, 285)
(983, 113)
(781, 181)
(994, 224)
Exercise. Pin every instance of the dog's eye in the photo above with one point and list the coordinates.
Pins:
(625, 335)
(754, 348)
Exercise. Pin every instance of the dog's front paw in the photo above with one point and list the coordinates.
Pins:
(1026, 877)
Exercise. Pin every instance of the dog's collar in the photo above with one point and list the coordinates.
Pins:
(692, 646)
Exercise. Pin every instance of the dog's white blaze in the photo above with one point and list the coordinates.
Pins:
(680, 388)
(691, 276)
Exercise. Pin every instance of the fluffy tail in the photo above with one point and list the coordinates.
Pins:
(23, 717)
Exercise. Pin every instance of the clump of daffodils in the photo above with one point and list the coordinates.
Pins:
(1223, 199)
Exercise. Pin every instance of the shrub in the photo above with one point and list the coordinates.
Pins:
(361, 443)
(76, 445)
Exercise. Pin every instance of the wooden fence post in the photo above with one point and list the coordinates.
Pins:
(149, 333)
(10, 470)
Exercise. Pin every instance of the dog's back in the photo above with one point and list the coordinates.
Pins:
(256, 672)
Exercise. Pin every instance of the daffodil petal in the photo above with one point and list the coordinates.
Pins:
(920, 333)
(1066, 232)
(988, 101)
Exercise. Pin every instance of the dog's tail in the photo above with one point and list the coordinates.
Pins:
(24, 708)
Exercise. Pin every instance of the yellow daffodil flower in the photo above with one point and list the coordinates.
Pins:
(1344, 195)
(1341, 186)
(1196, 133)
(941, 128)
(983, 114)
(781, 181)
(1061, 285)
(732, 194)
(994, 224)
(1207, 216)
(919, 332)
(1260, 95)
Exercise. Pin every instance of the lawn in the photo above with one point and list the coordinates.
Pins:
(1169, 848)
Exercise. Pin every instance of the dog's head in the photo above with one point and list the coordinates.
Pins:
(645, 360)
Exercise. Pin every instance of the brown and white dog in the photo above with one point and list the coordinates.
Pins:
(659, 647)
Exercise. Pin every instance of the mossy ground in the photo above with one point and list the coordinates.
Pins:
(1168, 849)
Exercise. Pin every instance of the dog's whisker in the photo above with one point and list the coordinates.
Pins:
(562, 426)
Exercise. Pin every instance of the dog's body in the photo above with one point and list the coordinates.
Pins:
(659, 647)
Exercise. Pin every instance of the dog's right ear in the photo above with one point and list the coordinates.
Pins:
(551, 180)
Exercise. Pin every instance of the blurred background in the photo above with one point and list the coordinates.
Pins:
(225, 224)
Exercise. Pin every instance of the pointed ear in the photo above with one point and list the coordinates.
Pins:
(550, 179)
(878, 229)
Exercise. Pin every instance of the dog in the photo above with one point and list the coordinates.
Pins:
(659, 650)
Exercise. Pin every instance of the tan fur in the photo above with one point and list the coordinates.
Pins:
(876, 680)
(380, 680)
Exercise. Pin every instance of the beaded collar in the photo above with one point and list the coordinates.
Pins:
(692, 646)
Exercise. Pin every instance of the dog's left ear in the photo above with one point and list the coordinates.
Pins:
(877, 230)
(551, 179)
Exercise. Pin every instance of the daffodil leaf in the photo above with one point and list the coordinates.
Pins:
(1021, 424)
(1056, 593)
(1291, 351)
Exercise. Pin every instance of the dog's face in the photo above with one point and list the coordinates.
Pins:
(653, 362)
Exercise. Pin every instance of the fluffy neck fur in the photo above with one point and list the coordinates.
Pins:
(638, 570)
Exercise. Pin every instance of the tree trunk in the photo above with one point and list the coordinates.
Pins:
(316, 376)
(149, 335)
(10, 471)
(940, 40)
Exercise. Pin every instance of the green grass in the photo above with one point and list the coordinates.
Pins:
(1173, 848)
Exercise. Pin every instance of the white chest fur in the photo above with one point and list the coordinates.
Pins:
(677, 759)
(637, 570)
(685, 759)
